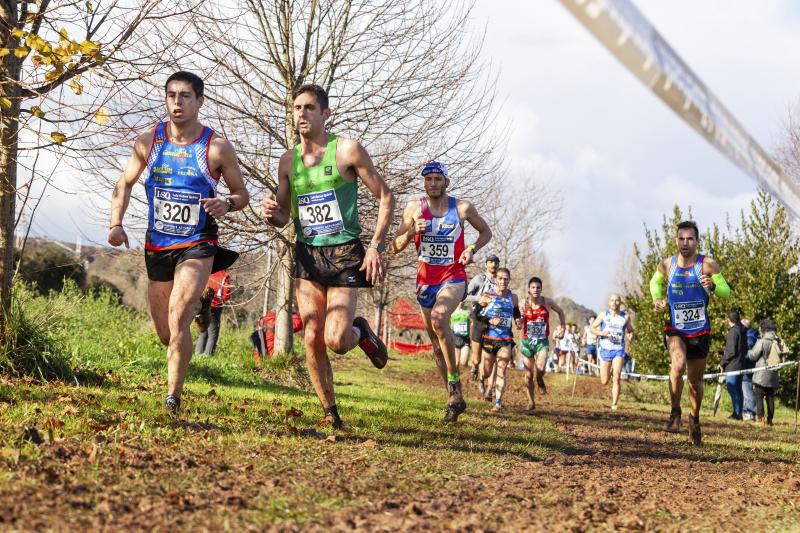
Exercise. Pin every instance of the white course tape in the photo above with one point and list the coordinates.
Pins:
(715, 375)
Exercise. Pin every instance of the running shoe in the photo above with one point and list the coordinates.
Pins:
(473, 374)
(331, 419)
(695, 435)
(497, 407)
(203, 318)
(456, 404)
(614, 407)
(530, 408)
(370, 343)
(172, 404)
(482, 386)
(674, 424)
(489, 396)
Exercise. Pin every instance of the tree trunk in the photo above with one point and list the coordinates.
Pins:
(284, 342)
(9, 128)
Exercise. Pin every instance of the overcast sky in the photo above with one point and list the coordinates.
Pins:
(582, 123)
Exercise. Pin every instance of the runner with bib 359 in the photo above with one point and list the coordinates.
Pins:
(691, 277)
(435, 223)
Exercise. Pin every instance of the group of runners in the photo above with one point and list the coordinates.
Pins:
(317, 191)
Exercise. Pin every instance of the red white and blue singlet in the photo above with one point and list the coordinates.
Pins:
(178, 177)
(439, 248)
(687, 299)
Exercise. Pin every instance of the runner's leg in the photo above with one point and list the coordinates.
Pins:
(695, 370)
(616, 368)
(340, 335)
(503, 362)
(191, 277)
(677, 355)
(158, 297)
(605, 371)
(438, 356)
(530, 370)
(541, 368)
(312, 304)
(439, 318)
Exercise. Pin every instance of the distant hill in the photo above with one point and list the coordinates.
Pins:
(574, 311)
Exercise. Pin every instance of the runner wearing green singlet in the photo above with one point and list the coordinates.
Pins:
(460, 323)
(318, 189)
(535, 326)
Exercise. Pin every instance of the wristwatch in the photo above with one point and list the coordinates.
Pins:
(231, 204)
(377, 246)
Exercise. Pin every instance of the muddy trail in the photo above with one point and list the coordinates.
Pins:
(622, 473)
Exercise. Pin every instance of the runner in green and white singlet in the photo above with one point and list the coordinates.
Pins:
(460, 324)
(318, 188)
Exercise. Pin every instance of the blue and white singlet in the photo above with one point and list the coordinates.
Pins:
(687, 299)
(501, 307)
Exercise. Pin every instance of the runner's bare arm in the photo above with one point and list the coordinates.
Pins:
(407, 229)
(356, 157)
(122, 191)
(629, 325)
(467, 211)
(223, 162)
(517, 311)
(562, 319)
(276, 208)
(595, 327)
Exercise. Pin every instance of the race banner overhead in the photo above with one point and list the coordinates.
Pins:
(627, 34)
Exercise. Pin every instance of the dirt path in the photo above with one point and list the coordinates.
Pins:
(622, 473)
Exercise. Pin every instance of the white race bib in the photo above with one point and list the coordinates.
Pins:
(437, 249)
(536, 330)
(505, 323)
(176, 212)
(460, 328)
(689, 315)
(319, 213)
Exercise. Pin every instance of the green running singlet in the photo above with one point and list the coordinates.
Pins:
(324, 205)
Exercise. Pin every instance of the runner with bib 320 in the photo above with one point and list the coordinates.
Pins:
(691, 277)
(435, 222)
(318, 189)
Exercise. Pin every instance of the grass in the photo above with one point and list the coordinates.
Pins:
(246, 451)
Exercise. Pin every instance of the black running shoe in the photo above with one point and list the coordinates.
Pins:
(372, 345)
(695, 435)
(456, 407)
(331, 418)
(203, 318)
(172, 404)
(473, 374)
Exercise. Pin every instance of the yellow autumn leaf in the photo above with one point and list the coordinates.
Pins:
(21, 51)
(5, 102)
(63, 33)
(4, 52)
(101, 116)
(16, 32)
(41, 60)
(73, 48)
(41, 46)
(37, 112)
(76, 87)
(89, 8)
(53, 74)
(58, 137)
(89, 47)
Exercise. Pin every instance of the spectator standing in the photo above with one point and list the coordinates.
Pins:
(768, 350)
(220, 284)
(749, 404)
(733, 359)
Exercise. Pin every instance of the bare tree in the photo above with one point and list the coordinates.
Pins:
(61, 61)
(404, 78)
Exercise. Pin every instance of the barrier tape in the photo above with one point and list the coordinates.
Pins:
(715, 375)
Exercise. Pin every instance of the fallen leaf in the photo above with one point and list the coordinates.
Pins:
(11, 454)
(69, 410)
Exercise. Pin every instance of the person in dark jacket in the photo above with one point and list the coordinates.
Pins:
(766, 382)
(733, 359)
(749, 405)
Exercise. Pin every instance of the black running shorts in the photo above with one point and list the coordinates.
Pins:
(493, 345)
(459, 341)
(331, 266)
(696, 347)
(476, 328)
(161, 264)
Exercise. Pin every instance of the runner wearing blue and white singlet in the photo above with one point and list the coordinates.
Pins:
(690, 278)
(184, 161)
(611, 328)
(500, 310)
